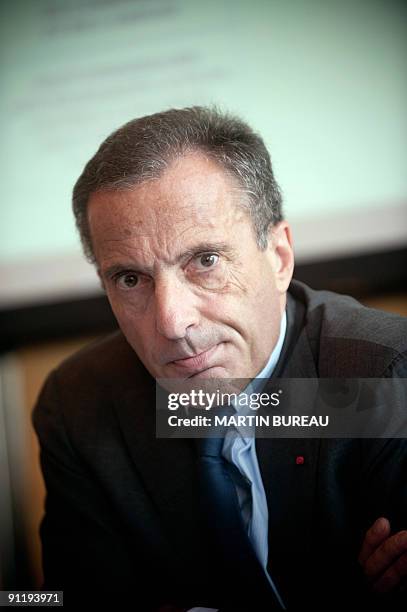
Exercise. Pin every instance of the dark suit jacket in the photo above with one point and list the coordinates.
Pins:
(123, 519)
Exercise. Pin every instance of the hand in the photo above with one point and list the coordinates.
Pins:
(383, 557)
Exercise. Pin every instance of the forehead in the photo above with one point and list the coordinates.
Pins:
(193, 198)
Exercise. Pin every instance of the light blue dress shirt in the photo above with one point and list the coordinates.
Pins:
(240, 451)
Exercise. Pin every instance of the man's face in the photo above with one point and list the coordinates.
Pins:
(191, 290)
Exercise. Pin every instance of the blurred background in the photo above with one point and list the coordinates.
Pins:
(324, 82)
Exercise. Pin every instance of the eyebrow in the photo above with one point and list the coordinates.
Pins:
(201, 247)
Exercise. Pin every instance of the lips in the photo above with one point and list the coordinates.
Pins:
(201, 361)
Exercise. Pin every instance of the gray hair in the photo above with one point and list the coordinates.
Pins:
(142, 149)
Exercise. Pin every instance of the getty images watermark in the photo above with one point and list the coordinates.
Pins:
(289, 407)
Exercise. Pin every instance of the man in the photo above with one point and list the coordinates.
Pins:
(181, 215)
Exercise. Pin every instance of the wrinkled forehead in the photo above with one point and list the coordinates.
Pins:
(193, 196)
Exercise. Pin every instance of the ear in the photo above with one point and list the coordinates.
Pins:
(280, 247)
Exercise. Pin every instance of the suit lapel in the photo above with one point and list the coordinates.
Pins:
(288, 483)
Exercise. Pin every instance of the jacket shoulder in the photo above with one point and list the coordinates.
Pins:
(349, 339)
(106, 360)
(78, 394)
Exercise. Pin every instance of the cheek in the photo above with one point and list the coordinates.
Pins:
(223, 312)
(264, 303)
(134, 326)
(122, 314)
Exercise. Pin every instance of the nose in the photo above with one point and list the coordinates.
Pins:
(175, 308)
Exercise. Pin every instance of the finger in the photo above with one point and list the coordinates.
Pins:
(378, 532)
(393, 577)
(386, 555)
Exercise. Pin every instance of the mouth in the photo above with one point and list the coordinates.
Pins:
(196, 362)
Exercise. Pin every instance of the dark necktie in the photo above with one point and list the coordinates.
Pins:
(240, 571)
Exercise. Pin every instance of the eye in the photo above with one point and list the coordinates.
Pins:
(206, 260)
(127, 280)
